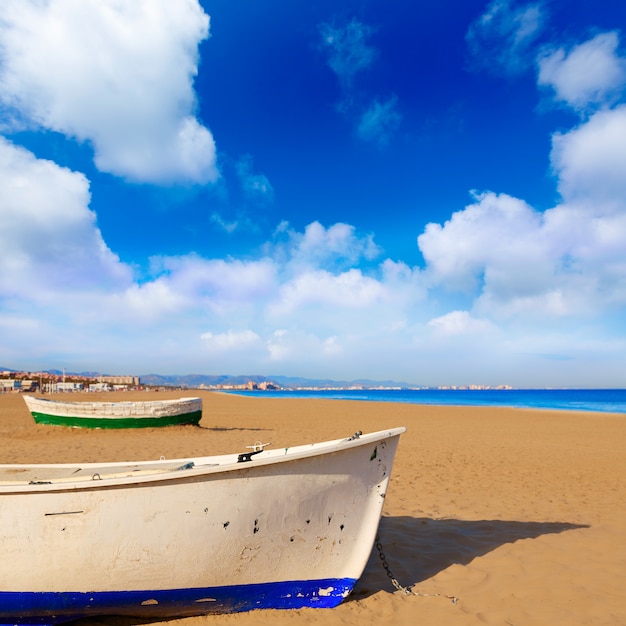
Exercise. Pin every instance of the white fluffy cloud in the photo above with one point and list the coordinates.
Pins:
(208, 286)
(459, 323)
(518, 262)
(49, 239)
(590, 73)
(346, 290)
(333, 248)
(230, 340)
(116, 74)
(590, 161)
(488, 239)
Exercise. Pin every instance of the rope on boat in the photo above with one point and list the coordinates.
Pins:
(407, 591)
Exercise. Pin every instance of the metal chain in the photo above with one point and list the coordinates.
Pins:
(407, 591)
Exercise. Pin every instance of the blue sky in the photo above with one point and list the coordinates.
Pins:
(432, 193)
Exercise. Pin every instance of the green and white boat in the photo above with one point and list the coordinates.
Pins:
(115, 414)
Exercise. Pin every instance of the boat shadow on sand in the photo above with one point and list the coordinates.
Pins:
(417, 549)
(227, 429)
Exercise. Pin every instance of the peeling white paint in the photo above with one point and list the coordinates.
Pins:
(326, 591)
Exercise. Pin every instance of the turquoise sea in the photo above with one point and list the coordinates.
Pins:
(600, 400)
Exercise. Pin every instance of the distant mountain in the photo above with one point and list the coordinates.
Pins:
(290, 381)
(195, 380)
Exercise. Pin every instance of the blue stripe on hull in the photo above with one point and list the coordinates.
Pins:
(58, 607)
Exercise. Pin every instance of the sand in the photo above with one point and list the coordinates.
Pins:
(520, 514)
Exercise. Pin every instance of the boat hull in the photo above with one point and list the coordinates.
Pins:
(148, 414)
(288, 528)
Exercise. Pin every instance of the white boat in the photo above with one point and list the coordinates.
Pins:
(140, 414)
(281, 528)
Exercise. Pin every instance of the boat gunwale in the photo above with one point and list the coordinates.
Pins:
(183, 468)
(86, 403)
(55, 400)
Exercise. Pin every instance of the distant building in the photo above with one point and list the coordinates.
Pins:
(128, 381)
(99, 387)
(267, 385)
(9, 384)
(263, 386)
(69, 386)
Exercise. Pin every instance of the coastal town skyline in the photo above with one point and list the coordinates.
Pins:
(428, 193)
(110, 382)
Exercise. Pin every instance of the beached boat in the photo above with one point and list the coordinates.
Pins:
(115, 414)
(281, 528)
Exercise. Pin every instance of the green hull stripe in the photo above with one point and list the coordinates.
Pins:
(117, 422)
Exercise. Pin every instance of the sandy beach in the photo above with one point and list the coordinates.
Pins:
(518, 513)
